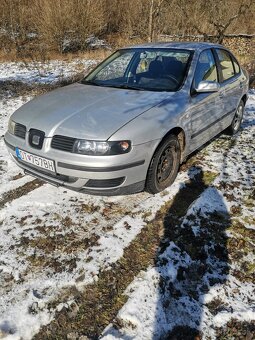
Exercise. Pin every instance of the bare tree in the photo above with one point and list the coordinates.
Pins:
(53, 21)
(88, 19)
(222, 21)
(213, 17)
(16, 21)
(155, 7)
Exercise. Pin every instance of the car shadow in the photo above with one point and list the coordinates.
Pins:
(192, 258)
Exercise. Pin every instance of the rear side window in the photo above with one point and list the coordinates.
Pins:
(206, 68)
(226, 64)
(236, 65)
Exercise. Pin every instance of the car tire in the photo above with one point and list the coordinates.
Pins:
(164, 165)
(234, 127)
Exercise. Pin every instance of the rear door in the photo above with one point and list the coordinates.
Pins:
(231, 86)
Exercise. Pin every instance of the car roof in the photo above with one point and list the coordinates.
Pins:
(177, 45)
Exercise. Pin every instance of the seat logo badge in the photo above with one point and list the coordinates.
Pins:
(36, 140)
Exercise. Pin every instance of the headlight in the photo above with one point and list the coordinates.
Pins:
(96, 148)
(11, 126)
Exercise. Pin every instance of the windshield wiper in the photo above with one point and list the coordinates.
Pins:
(89, 82)
(128, 87)
(122, 86)
(118, 86)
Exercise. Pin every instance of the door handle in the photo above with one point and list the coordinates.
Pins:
(221, 94)
(241, 84)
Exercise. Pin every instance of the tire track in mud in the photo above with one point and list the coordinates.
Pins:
(23, 190)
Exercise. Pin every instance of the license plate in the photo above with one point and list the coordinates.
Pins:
(35, 160)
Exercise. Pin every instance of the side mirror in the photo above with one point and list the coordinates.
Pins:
(207, 86)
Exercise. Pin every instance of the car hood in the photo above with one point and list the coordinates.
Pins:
(86, 111)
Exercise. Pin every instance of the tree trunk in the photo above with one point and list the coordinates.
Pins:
(150, 26)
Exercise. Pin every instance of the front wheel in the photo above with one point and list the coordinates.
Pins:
(237, 120)
(164, 165)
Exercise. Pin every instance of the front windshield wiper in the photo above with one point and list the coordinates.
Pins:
(126, 86)
(89, 82)
(119, 86)
(130, 87)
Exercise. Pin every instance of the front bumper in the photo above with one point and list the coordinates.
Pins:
(98, 175)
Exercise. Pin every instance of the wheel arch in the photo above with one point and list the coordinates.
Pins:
(180, 134)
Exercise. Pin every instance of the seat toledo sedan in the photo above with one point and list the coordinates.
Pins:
(130, 123)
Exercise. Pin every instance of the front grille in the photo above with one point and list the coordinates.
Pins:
(20, 130)
(62, 143)
(104, 183)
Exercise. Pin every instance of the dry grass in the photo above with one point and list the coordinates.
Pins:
(98, 54)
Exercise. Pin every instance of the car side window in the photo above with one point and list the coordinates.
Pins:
(236, 65)
(226, 64)
(206, 68)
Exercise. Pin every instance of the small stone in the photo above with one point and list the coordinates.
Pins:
(83, 337)
(33, 309)
(72, 336)
(249, 336)
(2, 334)
(73, 310)
(37, 294)
(7, 277)
(62, 321)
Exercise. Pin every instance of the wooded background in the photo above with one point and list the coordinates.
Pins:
(41, 27)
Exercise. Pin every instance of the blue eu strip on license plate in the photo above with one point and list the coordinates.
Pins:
(18, 153)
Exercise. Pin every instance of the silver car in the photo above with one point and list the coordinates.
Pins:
(133, 120)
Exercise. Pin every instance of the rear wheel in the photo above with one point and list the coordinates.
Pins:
(164, 165)
(237, 120)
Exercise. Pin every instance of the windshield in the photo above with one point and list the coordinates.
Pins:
(142, 69)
